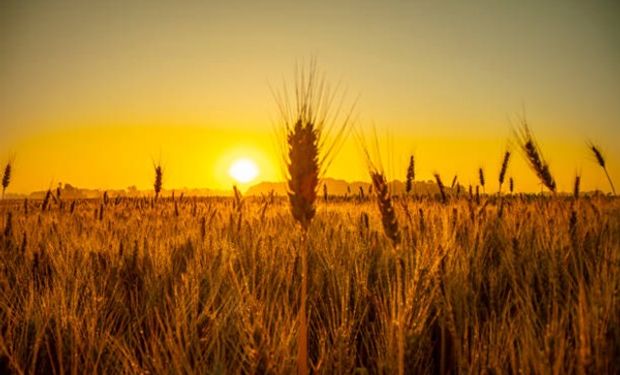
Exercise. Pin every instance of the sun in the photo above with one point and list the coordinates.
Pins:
(243, 170)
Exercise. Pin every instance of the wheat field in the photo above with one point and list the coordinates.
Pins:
(512, 284)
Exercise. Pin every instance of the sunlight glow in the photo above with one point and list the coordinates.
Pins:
(243, 170)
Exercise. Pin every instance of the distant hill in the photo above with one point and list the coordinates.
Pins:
(342, 187)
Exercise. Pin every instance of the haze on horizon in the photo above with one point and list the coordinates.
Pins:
(91, 94)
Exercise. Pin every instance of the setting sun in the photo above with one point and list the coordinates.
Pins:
(243, 170)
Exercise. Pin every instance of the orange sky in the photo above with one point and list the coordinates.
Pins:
(90, 94)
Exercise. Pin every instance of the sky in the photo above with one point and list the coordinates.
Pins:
(91, 93)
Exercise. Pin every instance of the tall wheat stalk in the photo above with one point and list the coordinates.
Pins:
(6, 177)
(307, 120)
(159, 173)
(386, 208)
(410, 175)
(442, 189)
(534, 156)
(601, 162)
(503, 169)
(455, 180)
(303, 171)
(392, 232)
(481, 178)
(576, 187)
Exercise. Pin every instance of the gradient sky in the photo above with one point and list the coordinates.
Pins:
(90, 94)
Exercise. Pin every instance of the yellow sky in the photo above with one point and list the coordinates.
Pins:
(89, 94)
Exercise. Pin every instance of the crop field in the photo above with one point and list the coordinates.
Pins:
(502, 284)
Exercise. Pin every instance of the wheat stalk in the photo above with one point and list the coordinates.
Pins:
(6, 177)
(442, 189)
(410, 175)
(8, 226)
(392, 231)
(454, 181)
(157, 185)
(386, 208)
(46, 200)
(325, 194)
(238, 199)
(303, 170)
(534, 157)
(504, 168)
(576, 187)
(307, 120)
(601, 162)
(237, 205)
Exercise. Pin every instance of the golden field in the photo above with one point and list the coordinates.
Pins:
(518, 283)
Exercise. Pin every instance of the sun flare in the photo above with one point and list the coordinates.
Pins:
(243, 170)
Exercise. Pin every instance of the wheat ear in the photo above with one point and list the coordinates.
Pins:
(534, 157)
(601, 161)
